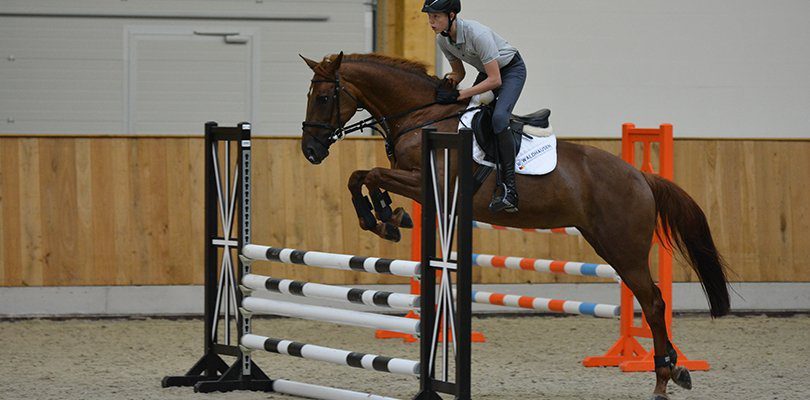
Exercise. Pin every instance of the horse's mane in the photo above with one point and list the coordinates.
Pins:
(413, 67)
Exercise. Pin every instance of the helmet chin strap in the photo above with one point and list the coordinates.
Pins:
(446, 33)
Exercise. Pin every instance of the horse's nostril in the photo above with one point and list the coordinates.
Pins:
(311, 155)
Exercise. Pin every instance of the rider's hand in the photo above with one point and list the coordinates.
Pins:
(453, 78)
(445, 95)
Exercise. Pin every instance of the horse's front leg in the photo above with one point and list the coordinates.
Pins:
(381, 201)
(406, 183)
(381, 180)
(361, 203)
(383, 222)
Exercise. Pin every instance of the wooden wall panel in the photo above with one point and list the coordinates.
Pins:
(403, 31)
(10, 227)
(31, 252)
(124, 211)
(104, 199)
(755, 197)
(82, 211)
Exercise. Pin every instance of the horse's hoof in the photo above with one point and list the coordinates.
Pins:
(406, 221)
(682, 377)
(392, 233)
(659, 397)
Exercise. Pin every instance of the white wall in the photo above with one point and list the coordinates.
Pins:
(137, 67)
(732, 69)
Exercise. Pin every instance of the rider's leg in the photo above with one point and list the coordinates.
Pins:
(506, 198)
(513, 77)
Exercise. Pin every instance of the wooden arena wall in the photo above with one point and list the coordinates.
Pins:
(126, 211)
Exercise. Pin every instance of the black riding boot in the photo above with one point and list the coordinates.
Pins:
(505, 196)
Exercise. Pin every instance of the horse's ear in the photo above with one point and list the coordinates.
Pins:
(333, 64)
(312, 63)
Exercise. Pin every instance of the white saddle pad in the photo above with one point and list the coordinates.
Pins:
(538, 155)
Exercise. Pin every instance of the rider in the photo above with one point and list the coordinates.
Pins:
(500, 69)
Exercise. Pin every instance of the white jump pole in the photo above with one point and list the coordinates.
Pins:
(368, 297)
(370, 362)
(321, 392)
(344, 262)
(334, 315)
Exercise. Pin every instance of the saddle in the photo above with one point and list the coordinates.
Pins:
(533, 124)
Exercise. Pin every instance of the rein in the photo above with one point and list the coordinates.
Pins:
(339, 132)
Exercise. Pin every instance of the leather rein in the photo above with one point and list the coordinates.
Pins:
(339, 131)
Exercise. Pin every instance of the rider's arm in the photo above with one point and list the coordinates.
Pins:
(458, 72)
(493, 81)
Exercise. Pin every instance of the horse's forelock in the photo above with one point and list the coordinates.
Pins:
(324, 73)
(325, 69)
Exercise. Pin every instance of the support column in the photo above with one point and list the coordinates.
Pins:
(403, 31)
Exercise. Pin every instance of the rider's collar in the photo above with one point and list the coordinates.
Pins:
(459, 32)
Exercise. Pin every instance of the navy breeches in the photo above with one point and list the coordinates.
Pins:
(513, 77)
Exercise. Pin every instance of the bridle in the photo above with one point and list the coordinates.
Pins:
(336, 132)
(339, 132)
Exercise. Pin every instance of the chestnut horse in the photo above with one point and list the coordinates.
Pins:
(615, 206)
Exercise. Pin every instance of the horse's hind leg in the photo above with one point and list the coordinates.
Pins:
(629, 257)
(640, 282)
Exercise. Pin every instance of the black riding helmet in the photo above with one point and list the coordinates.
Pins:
(443, 6)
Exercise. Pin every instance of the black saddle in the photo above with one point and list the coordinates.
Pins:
(485, 136)
(537, 118)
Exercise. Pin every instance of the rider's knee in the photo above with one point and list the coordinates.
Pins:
(500, 120)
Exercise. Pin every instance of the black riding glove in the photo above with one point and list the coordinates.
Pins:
(446, 95)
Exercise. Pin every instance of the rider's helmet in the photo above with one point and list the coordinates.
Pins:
(442, 6)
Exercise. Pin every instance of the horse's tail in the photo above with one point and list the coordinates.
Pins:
(683, 222)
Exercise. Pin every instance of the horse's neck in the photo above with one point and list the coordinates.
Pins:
(389, 94)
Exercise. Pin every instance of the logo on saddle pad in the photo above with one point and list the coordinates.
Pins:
(533, 154)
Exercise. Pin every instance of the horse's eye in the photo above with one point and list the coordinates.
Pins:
(322, 99)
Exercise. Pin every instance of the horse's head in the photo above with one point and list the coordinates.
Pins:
(329, 107)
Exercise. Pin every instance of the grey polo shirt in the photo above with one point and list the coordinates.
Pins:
(476, 44)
